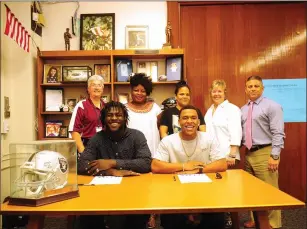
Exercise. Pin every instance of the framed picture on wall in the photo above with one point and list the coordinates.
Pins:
(52, 73)
(97, 31)
(137, 37)
(103, 70)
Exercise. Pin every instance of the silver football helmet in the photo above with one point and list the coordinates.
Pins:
(44, 170)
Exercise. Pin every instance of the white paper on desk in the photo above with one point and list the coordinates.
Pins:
(106, 180)
(194, 178)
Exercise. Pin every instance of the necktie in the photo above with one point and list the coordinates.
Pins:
(248, 139)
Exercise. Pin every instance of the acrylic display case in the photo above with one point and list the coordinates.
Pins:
(42, 172)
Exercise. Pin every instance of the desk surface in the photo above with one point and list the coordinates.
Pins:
(159, 193)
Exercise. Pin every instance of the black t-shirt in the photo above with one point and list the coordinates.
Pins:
(170, 118)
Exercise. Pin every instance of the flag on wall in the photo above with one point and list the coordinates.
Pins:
(16, 31)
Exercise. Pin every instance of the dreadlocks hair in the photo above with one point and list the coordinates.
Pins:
(107, 108)
(142, 79)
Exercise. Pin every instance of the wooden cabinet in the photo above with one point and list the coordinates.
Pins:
(161, 90)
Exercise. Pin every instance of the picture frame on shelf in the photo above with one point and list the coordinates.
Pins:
(105, 98)
(52, 73)
(123, 69)
(53, 99)
(137, 37)
(63, 133)
(150, 68)
(123, 97)
(103, 70)
(97, 31)
(52, 128)
(174, 68)
(71, 103)
(76, 74)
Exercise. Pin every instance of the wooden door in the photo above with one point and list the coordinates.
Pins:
(233, 41)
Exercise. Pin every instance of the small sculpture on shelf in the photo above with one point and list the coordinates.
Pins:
(67, 37)
(168, 33)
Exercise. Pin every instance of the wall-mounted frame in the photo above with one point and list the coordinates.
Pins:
(53, 99)
(52, 128)
(123, 97)
(174, 68)
(105, 98)
(76, 74)
(137, 37)
(150, 68)
(123, 69)
(103, 70)
(63, 132)
(52, 73)
(97, 31)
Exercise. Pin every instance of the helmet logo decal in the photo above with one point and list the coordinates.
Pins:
(63, 164)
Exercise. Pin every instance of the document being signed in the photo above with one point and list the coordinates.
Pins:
(194, 178)
(99, 180)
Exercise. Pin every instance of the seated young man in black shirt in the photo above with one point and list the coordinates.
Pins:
(115, 151)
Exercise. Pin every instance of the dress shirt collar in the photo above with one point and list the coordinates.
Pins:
(257, 101)
(223, 104)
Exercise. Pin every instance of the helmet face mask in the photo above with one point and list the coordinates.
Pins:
(43, 171)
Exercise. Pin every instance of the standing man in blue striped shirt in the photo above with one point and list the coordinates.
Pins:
(263, 136)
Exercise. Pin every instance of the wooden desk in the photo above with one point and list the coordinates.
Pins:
(156, 193)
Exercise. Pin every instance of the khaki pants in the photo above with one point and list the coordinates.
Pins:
(256, 163)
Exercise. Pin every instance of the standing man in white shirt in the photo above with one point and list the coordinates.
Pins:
(190, 151)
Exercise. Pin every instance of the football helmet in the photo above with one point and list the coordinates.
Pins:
(169, 103)
(44, 170)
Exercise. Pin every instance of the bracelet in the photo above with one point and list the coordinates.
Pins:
(183, 167)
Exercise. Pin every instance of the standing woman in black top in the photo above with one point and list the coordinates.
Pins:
(169, 119)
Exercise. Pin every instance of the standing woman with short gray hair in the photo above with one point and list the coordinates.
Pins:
(85, 120)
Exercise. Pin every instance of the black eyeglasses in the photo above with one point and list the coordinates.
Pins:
(218, 176)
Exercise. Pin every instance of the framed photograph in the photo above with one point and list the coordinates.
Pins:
(137, 37)
(123, 97)
(173, 68)
(52, 128)
(103, 70)
(71, 103)
(97, 31)
(53, 99)
(52, 73)
(106, 98)
(73, 74)
(63, 132)
(123, 70)
(150, 68)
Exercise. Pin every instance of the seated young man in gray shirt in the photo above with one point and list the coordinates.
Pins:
(187, 151)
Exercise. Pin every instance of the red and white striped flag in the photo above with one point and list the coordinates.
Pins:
(16, 31)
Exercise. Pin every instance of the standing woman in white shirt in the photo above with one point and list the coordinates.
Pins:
(223, 119)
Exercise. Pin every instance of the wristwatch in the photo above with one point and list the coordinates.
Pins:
(275, 157)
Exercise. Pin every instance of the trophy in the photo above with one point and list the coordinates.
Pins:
(168, 33)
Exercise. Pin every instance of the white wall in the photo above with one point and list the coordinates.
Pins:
(58, 18)
(18, 82)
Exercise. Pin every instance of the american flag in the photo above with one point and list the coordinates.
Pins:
(16, 31)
